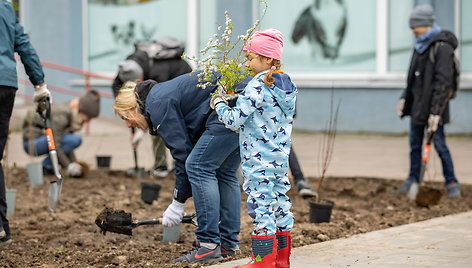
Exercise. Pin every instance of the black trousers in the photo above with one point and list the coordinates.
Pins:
(295, 167)
(7, 98)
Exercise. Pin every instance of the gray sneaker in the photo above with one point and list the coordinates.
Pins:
(229, 252)
(305, 191)
(5, 241)
(160, 173)
(453, 190)
(4, 238)
(201, 254)
(404, 188)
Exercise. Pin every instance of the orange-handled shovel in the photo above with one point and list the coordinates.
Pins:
(55, 187)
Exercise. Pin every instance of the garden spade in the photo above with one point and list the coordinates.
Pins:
(120, 222)
(55, 187)
(423, 195)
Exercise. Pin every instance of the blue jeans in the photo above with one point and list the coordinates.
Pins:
(416, 145)
(69, 142)
(211, 169)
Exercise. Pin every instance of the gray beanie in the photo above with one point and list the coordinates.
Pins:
(422, 15)
(129, 70)
(89, 104)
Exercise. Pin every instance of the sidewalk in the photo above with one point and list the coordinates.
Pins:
(378, 156)
(439, 242)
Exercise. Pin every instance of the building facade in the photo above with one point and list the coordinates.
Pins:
(352, 52)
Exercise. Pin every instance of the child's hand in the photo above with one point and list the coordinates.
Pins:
(217, 98)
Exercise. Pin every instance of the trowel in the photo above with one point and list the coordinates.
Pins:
(120, 222)
(55, 187)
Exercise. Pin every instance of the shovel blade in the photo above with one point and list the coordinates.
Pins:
(53, 196)
(413, 192)
(171, 234)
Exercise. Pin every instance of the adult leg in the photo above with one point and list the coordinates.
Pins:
(230, 200)
(160, 160)
(70, 142)
(39, 146)
(416, 144)
(451, 182)
(304, 189)
(206, 157)
(7, 99)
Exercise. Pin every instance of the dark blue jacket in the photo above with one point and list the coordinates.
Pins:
(177, 110)
(13, 39)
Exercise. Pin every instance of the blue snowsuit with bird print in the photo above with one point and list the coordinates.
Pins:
(264, 118)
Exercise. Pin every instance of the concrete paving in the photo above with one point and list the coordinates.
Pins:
(440, 242)
(379, 156)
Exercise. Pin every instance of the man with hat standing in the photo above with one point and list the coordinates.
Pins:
(430, 85)
(66, 118)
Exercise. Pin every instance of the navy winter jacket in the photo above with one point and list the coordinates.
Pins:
(13, 39)
(177, 110)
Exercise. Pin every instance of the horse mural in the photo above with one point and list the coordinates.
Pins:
(324, 24)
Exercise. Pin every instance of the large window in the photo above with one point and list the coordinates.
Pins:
(400, 43)
(466, 36)
(114, 27)
(325, 36)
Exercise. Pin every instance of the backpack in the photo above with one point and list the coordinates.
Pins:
(456, 63)
(164, 48)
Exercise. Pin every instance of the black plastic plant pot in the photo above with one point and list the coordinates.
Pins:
(149, 192)
(321, 212)
(103, 161)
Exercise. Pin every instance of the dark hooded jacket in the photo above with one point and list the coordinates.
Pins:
(158, 70)
(429, 84)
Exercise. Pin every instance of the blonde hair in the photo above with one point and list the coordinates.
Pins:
(127, 103)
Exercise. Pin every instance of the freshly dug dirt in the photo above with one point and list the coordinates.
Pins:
(70, 238)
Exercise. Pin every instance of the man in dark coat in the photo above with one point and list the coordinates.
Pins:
(426, 97)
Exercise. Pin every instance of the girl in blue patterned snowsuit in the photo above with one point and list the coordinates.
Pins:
(264, 115)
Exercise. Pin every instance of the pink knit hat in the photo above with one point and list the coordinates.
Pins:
(268, 43)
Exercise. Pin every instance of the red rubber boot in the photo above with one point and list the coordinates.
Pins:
(264, 251)
(284, 249)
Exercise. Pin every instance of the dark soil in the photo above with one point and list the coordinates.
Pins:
(70, 238)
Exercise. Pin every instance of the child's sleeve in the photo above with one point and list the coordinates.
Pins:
(248, 101)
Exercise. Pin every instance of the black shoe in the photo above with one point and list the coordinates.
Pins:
(229, 252)
(4, 238)
(201, 254)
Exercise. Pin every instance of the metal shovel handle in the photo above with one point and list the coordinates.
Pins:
(187, 219)
(55, 188)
